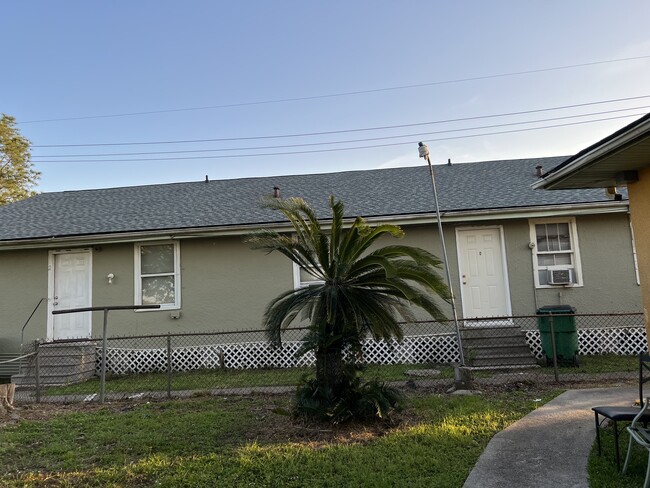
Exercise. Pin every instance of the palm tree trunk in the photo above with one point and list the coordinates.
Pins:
(329, 369)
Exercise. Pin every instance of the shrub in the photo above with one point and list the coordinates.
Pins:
(359, 400)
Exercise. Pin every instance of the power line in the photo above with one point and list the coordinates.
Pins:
(343, 131)
(349, 141)
(344, 148)
(341, 94)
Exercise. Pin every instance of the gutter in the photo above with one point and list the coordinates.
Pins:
(461, 216)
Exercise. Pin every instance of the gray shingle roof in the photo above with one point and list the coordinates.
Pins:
(488, 185)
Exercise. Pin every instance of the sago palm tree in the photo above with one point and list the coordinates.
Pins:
(360, 290)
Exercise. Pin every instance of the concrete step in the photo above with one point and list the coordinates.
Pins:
(496, 347)
(493, 341)
(51, 379)
(503, 360)
(489, 332)
(60, 364)
(66, 349)
(60, 370)
(498, 351)
(11, 368)
(504, 367)
(70, 361)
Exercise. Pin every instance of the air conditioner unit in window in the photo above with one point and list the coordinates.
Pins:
(560, 276)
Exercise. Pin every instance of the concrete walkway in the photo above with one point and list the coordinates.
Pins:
(548, 447)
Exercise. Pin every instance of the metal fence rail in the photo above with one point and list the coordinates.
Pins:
(538, 349)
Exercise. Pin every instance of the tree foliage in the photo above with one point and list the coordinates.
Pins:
(363, 290)
(17, 177)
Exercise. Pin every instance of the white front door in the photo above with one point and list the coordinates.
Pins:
(70, 287)
(483, 275)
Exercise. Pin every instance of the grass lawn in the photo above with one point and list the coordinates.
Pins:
(230, 378)
(602, 469)
(601, 363)
(241, 441)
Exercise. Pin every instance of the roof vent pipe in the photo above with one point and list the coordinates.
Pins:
(206, 179)
(540, 171)
(276, 192)
(449, 162)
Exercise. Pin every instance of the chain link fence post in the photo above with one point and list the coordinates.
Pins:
(554, 347)
(37, 371)
(102, 373)
(169, 365)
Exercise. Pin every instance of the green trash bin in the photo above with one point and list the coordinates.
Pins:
(566, 335)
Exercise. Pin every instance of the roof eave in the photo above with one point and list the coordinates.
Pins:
(460, 216)
(554, 179)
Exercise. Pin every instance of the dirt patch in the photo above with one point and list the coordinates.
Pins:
(285, 428)
(46, 411)
(274, 421)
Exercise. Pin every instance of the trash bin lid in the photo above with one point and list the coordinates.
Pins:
(548, 309)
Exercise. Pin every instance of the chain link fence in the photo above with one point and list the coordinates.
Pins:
(546, 348)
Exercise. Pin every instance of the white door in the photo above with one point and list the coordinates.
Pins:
(483, 276)
(70, 287)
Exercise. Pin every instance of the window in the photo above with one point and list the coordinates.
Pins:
(302, 277)
(556, 260)
(157, 274)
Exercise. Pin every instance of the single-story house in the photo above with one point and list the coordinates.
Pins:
(511, 248)
(620, 160)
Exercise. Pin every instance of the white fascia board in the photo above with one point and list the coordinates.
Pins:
(122, 237)
(415, 219)
(592, 156)
(507, 214)
(538, 212)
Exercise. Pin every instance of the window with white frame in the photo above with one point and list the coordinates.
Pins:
(157, 274)
(302, 277)
(556, 259)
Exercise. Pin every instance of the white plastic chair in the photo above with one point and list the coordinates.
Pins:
(641, 435)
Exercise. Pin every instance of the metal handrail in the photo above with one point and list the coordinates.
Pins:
(18, 358)
(22, 331)
(102, 375)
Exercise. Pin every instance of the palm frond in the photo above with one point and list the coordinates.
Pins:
(283, 309)
(419, 255)
(367, 236)
(365, 291)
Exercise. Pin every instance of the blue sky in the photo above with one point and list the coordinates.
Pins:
(74, 59)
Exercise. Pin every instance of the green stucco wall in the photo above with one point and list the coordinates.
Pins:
(607, 265)
(23, 282)
(226, 286)
(608, 273)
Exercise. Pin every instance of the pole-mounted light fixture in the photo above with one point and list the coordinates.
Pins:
(423, 150)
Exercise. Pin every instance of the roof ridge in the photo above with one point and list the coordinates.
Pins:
(292, 175)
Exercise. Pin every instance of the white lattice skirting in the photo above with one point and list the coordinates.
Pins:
(624, 341)
(439, 348)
